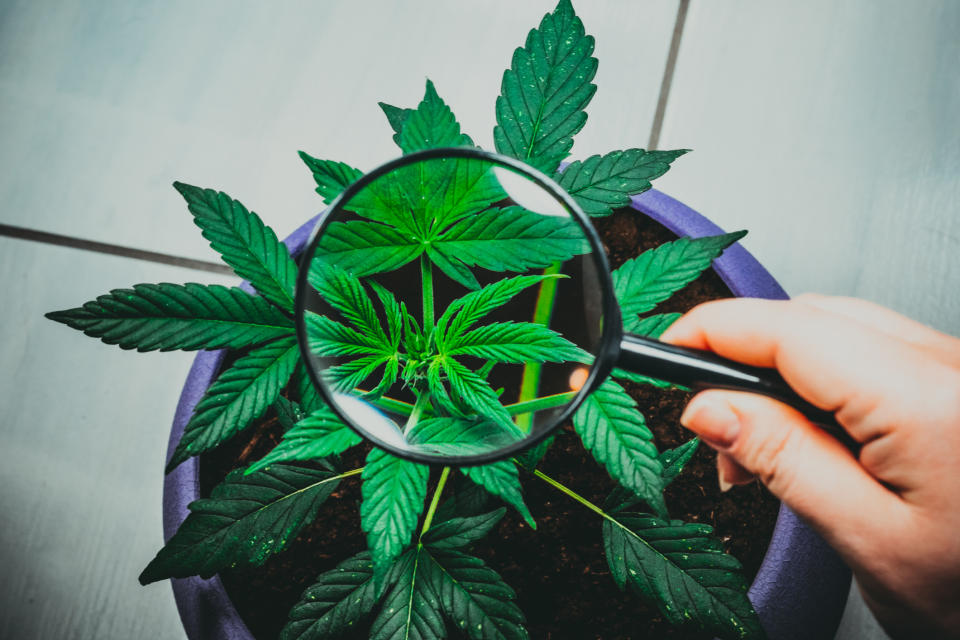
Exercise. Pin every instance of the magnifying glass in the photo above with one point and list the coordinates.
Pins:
(455, 306)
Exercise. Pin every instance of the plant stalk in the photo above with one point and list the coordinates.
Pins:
(545, 402)
(422, 401)
(426, 274)
(514, 409)
(542, 312)
(436, 500)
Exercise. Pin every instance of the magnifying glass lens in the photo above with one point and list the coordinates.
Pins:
(452, 308)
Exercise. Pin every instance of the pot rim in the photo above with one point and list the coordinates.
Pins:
(800, 590)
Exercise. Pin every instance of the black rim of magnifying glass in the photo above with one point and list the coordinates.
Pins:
(609, 346)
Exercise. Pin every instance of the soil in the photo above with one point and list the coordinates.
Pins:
(559, 571)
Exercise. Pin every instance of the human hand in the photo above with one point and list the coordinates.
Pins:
(893, 512)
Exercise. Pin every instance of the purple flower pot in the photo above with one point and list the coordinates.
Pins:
(801, 588)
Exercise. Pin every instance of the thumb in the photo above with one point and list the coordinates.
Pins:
(803, 466)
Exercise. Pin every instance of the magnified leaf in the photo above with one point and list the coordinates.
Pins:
(474, 391)
(458, 436)
(171, 316)
(364, 248)
(345, 293)
(512, 239)
(431, 125)
(516, 342)
(328, 337)
(462, 313)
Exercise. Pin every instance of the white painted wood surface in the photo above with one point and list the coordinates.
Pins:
(830, 131)
(84, 434)
(104, 104)
(804, 117)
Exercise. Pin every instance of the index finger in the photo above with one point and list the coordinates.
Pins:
(834, 362)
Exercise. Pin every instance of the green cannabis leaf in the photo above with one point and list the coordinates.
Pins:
(674, 460)
(516, 342)
(615, 432)
(336, 602)
(409, 611)
(510, 239)
(364, 338)
(331, 177)
(239, 395)
(475, 598)
(464, 312)
(397, 117)
(316, 436)
(601, 184)
(456, 533)
(393, 491)
(245, 520)
(653, 276)
(453, 216)
(431, 125)
(466, 436)
(247, 245)
(288, 412)
(171, 316)
(443, 209)
(309, 397)
(502, 480)
(682, 569)
(461, 436)
(437, 581)
(544, 93)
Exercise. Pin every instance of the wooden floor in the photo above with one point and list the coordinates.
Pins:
(829, 130)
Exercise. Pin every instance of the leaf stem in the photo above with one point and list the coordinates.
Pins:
(426, 274)
(391, 404)
(514, 409)
(436, 500)
(542, 312)
(576, 496)
(544, 402)
(589, 505)
(422, 401)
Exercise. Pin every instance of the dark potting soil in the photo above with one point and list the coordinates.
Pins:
(559, 572)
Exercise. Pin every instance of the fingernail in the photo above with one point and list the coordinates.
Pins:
(724, 485)
(713, 421)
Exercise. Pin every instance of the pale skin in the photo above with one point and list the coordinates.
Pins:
(893, 512)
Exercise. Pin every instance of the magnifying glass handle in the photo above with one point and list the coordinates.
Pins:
(705, 370)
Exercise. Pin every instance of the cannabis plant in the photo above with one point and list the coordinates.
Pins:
(419, 578)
